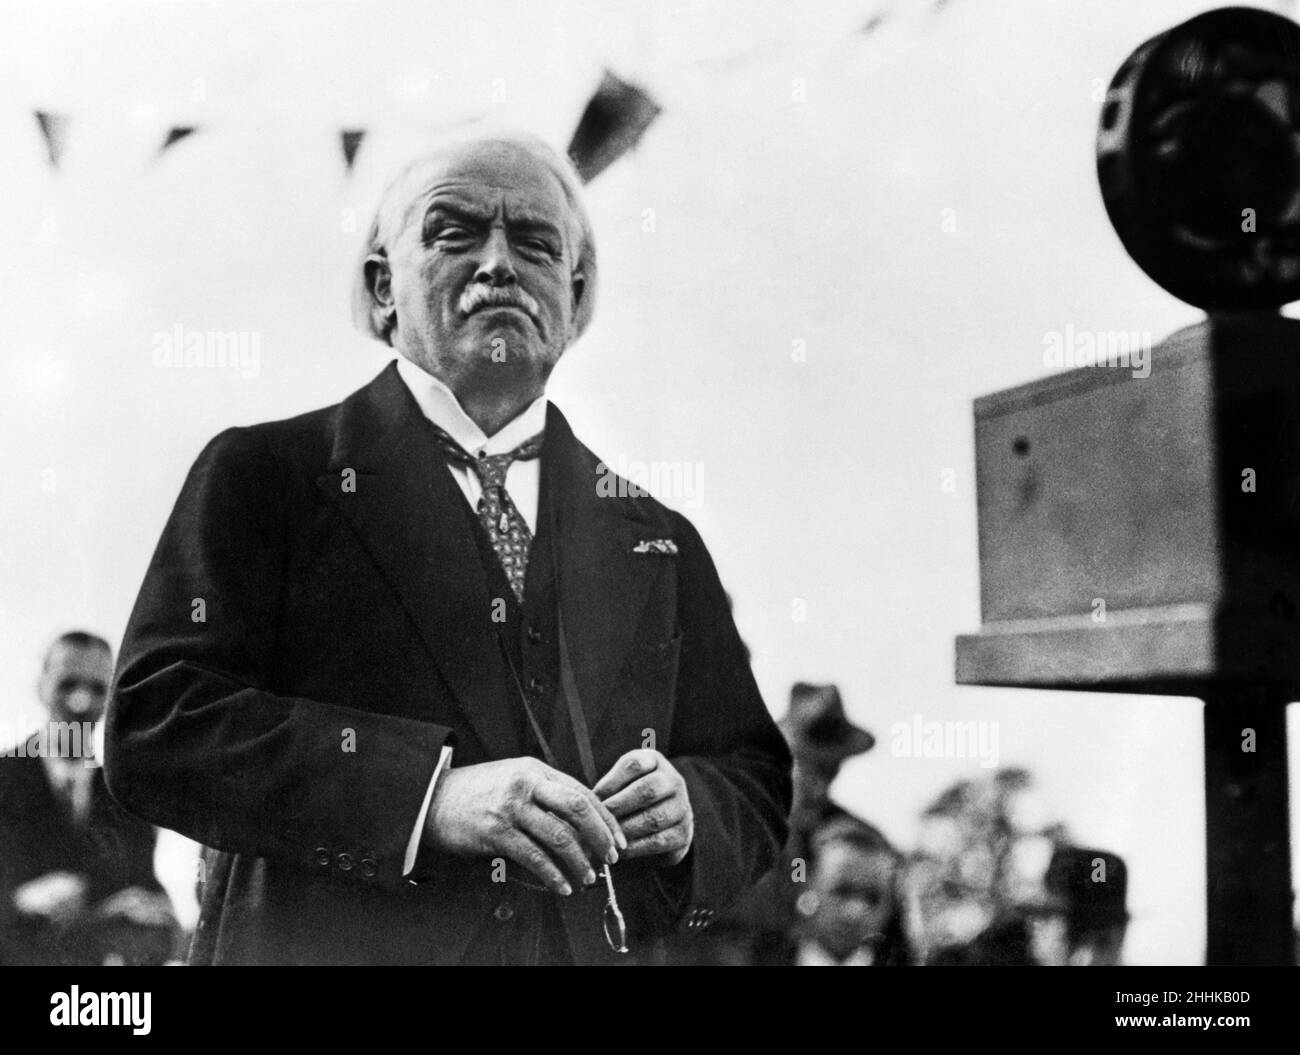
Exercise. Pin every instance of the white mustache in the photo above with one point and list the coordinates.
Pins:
(479, 296)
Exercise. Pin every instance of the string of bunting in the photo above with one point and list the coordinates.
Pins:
(612, 123)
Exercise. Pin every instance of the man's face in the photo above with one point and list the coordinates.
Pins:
(481, 270)
(855, 897)
(74, 684)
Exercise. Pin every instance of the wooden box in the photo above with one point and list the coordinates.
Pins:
(1143, 533)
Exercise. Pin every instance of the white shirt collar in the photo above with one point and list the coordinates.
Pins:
(811, 954)
(441, 406)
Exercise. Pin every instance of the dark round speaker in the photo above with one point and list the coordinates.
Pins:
(1198, 156)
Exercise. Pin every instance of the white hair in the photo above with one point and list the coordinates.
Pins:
(375, 321)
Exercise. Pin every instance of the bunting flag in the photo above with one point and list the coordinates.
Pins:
(54, 130)
(872, 24)
(351, 139)
(175, 135)
(611, 125)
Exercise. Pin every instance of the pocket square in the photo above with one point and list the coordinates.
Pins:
(666, 546)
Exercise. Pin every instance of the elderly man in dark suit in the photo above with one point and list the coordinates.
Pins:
(415, 668)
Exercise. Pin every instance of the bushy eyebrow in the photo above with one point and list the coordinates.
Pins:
(532, 225)
(454, 211)
(525, 224)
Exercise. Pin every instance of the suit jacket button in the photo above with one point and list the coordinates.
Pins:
(344, 861)
(536, 686)
(323, 856)
(534, 635)
(368, 868)
(503, 912)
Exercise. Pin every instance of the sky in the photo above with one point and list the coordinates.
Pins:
(827, 245)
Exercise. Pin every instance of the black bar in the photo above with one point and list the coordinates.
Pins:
(345, 1006)
(1247, 829)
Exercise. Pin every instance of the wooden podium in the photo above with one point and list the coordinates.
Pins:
(1141, 534)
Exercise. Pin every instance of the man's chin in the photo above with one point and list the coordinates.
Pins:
(505, 344)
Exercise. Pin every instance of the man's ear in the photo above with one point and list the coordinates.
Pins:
(578, 288)
(379, 283)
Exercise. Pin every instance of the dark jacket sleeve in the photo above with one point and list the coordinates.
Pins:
(734, 759)
(195, 740)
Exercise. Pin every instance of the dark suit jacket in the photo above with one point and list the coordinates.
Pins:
(283, 615)
(38, 835)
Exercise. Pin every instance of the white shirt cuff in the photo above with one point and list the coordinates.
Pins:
(413, 847)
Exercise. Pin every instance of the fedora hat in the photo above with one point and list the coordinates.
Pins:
(816, 726)
(1084, 885)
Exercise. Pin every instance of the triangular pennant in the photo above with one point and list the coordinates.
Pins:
(873, 23)
(611, 125)
(176, 134)
(54, 129)
(351, 144)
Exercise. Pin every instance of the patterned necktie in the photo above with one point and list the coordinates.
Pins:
(504, 523)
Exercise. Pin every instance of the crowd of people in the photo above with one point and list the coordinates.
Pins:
(989, 883)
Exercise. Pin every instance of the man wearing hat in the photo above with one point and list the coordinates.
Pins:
(820, 739)
(762, 929)
(1081, 918)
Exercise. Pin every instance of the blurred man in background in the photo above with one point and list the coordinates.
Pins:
(851, 913)
(77, 884)
(762, 929)
(1082, 918)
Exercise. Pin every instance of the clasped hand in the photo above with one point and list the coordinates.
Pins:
(552, 825)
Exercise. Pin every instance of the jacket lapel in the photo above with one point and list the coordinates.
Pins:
(603, 588)
(410, 516)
